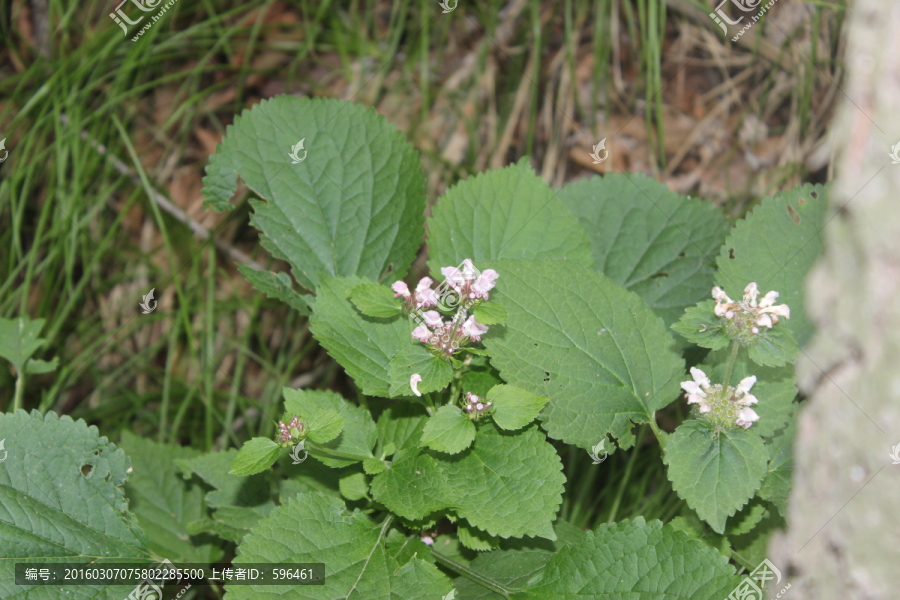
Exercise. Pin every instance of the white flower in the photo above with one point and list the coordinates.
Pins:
(751, 315)
(432, 318)
(474, 329)
(697, 388)
(414, 381)
(453, 277)
(401, 289)
(750, 293)
(421, 333)
(425, 296)
(747, 417)
(484, 283)
(427, 540)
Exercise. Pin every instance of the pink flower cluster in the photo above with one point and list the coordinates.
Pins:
(722, 405)
(475, 405)
(285, 430)
(463, 288)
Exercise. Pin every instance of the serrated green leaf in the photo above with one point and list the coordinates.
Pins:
(640, 561)
(776, 246)
(320, 412)
(475, 539)
(275, 285)
(358, 434)
(36, 367)
(449, 430)
(375, 300)
(503, 213)
(362, 345)
(19, 340)
(255, 456)
(353, 206)
(716, 475)
(401, 426)
(373, 466)
(573, 335)
(402, 548)
(773, 347)
(777, 483)
(316, 528)
(480, 377)
(414, 358)
(514, 408)
(656, 243)
(505, 484)
(747, 518)
(163, 502)
(237, 502)
(62, 500)
(489, 313)
(354, 486)
(700, 325)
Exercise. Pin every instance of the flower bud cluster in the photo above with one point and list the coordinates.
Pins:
(475, 406)
(744, 319)
(725, 407)
(291, 432)
(450, 327)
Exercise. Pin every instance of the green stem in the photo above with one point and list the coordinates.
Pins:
(732, 359)
(472, 575)
(335, 453)
(627, 477)
(20, 391)
(660, 436)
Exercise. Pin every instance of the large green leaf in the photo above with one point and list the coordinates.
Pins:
(363, 345)
(776, 246)
(313, 528)
(62, 500)
(353, 206)
(658, 244)
(634, 560)
(505, 484)
(164, 502)
(573, 335)
(503, 213)
(716, 475)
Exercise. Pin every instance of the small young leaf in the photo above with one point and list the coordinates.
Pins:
(514, 408)
(35, 366)
(414, 358)
(255, 456)
(373, 466)
(700, 325)
(275, 285)
(490, 313)
(19, 340)
(354, 486)
(318, 411)
(375, 300)
(716, 475)
(448, 430)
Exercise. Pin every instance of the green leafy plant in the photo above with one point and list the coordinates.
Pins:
(548, 320)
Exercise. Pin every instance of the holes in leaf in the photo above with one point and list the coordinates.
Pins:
(795, 217)
(815, 195)
(535, 345)
(546, 376)
(658, 275)
(681, 255)
(87, 469)
(731, 253)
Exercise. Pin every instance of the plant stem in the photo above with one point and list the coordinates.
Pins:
(660, 436)
(732, 359)
(627, 477)
(335, 453)
(472, 575)
(20, 391)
